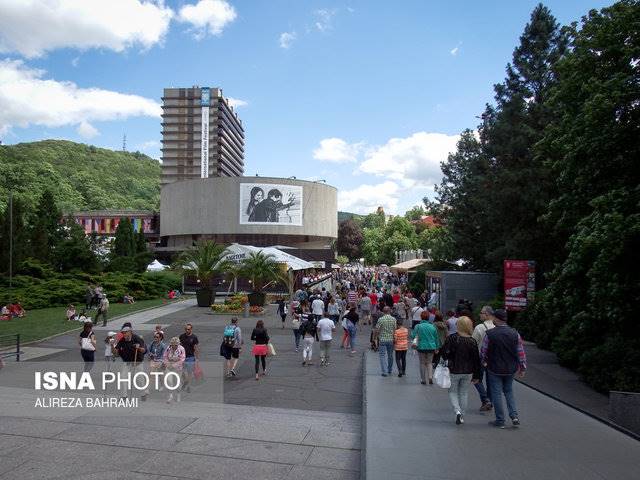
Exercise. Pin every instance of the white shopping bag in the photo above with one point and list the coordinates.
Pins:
(441, 376)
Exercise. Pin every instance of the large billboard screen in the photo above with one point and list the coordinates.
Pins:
(269, 204)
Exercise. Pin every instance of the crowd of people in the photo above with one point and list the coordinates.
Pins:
(487, 355)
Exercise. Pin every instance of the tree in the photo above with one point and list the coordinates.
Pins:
(374, 220)
(45, 230)
(141, 242)
(20, 237)
(125, 242)
(203, 261)
(261, 270)
(592, 146)
(73, 251)
(349, 239)
(416, 213)
(438, 246)
(373, 239)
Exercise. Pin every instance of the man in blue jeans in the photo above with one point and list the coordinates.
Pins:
(385, 327)
(503, 355)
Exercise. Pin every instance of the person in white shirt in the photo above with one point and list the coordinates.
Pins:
(416, 317)
(452, 323)
(317, 308)
(325, 327)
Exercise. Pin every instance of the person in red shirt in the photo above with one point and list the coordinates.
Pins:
(396, 297)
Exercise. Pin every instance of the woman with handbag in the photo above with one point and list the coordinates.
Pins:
(425, 337)
(460, 350)
(173, 360)
(260, 349)
(87, 342)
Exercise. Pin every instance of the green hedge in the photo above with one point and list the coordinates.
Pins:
(61, 289)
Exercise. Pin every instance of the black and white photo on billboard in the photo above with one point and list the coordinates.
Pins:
(269, 203)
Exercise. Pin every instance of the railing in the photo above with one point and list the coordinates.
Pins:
(6, 346)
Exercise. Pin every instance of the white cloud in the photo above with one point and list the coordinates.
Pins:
(148, 145)
(287, 38)
(366, 198)
(86, 130)
(33, 27)
(324, 19)
(236, 102)
(454, 51)
(413, 161)
(75, 61)
(337, 150)
(26, 98)
(207, 17)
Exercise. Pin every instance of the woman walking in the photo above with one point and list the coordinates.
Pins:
(401, 345)
(282, 310)
(352, 320)
(427, 344)
(461, 352)
(309, 336)
(172, 360)
(441, 326)
(332, 310)
(259, 351)
(87, 342)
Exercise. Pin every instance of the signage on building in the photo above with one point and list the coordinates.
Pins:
(519, 283)
(205, 102)
(270, 203)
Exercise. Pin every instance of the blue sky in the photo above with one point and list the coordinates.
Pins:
(367, 95)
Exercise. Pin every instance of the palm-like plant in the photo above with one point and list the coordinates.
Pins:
(203, 261)
(261, 269)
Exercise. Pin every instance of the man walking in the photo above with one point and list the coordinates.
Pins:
(131, 349)
(385, 328)
(102, 310)
(231, 344)
(317, 308)
(503, 355)
(325, 327)
(486, 324)
(190, 344)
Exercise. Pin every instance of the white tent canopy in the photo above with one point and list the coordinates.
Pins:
(408, 265)
(155, 266)
(236, 253)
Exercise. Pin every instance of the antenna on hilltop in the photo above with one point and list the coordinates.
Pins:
(124, 142)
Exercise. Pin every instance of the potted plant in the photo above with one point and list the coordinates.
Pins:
(203, 261)
(261, 270)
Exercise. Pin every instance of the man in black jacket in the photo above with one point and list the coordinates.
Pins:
(503, 355)
(131, 349)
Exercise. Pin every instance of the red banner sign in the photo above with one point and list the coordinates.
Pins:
(519, 283)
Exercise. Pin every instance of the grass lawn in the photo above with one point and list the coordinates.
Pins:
(46, 322)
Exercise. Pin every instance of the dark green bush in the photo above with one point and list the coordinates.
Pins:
(62, 289)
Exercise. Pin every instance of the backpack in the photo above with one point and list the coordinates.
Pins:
(228, 337)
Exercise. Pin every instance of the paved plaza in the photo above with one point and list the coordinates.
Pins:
(297, 422)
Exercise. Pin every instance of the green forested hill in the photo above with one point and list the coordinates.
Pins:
(80, 176)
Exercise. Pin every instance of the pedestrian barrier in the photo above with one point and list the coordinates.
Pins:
(10, 346)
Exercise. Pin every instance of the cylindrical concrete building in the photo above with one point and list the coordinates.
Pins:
(259, 211)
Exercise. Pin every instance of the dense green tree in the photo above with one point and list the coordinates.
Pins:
(349, 239)
(592, 145)
(373, 239)
(416, 213)
(20, 236)
(85, 177)
(141, 242)
(496, 188)
(374, 220)
(438, 246)
(73, 251)
(124, 244)
(45, 230)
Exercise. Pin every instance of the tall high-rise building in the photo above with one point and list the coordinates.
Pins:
(202, 136)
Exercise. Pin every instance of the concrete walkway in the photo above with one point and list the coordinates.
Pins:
(314, 434)
(410, 433)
